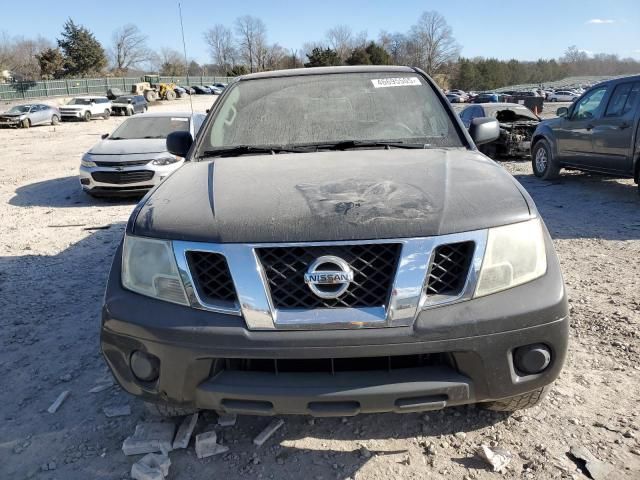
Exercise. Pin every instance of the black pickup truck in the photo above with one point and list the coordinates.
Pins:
(598, 133)
(335, 244)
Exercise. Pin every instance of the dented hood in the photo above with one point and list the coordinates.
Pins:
(325, 196)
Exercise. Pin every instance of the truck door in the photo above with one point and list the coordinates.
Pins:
(613, 133)
(574, 136)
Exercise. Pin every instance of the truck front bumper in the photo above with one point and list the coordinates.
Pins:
(212, 361)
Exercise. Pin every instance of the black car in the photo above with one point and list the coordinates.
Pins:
(598, 133)
(517, 124)
(200, 90)
(335, 244)
(129, 104)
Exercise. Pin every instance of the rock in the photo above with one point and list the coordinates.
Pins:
(635, 451)
(56, 405)
(149, 437)
(157, 460)
(268, 431)
(117, 411)
(185, 431)
(140, 471)
(598, 470)
(207, 446)
(227, 419)
(460, 435)
(498, 458)
(364, 452)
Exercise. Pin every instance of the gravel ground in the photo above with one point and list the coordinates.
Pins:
(56, 246)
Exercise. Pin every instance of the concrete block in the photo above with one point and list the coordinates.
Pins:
(149, 437)
(185, 431)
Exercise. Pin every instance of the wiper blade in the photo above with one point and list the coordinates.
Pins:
(249, 149)
(349, 144)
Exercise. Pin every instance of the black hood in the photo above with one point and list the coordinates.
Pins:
(351, 195)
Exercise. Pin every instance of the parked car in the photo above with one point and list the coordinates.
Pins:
(517, 124)
(464, 96)
(335, 244)
(134, 158)
(562, 96)
(215, 90)
(489, 97)
(86, 107)
(29, 115)
(129, 104)
(201, 90)
(598, 133)
(454, 98)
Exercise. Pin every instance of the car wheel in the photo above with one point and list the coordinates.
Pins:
(128, 112)
(554, 99)
(544, 166)
(86, 116)
(519, 402)
(55, 120)
(106, 114)
(26, 123)
(145, 109)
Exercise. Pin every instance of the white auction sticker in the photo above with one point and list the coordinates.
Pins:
(179, 119)
(395, 82)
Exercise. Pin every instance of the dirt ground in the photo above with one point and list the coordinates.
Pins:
(56, 246)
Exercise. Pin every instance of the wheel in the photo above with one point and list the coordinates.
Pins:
(26, 123)
(170, 95)
(544, 166)
(86, 116)
(519, 402)
(106, 114)
(55, 120)
(145, 109)
(554, 99)
(167, 410)
(128, 112)
(150, 96)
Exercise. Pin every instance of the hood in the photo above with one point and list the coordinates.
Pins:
(327, 196)
(12, 115)
(129, 147)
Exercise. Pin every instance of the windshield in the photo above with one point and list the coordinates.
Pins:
(123, 100)
(150, 127)
(80, 101)
(20, 109)
(319, 109)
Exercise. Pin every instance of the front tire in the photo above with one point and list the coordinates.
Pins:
(87, 116)
(106, 114)
(55, 120)
(542, 161)
(518, 402)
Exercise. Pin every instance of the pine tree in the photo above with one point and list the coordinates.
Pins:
(51, 63)
(83, 54)
(322, 58)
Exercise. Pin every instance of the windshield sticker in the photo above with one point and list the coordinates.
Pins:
(395, 82)
(179, 119)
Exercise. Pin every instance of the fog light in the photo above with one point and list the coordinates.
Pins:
(532, 359)
(144, 366)
(85, 181)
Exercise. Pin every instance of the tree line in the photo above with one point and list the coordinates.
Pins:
(244, 47)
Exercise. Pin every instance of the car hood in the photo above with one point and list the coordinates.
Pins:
(12, 115)
(126, 147)
(326, 196)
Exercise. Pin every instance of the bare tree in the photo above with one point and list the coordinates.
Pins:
(169, 62)
(18, 55)
(431, 43)
(341, 39)
(222, 46)
(396, 45)
(252, 40)
(129, 48)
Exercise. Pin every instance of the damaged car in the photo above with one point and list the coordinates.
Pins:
(517, 124)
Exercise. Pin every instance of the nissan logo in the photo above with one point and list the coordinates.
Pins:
(325, 274)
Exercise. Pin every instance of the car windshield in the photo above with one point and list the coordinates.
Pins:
(80, 101)
(20, 109)
(308, 110)
(150, 127)
(123, 100)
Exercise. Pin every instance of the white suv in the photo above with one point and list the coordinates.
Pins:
(86, 108)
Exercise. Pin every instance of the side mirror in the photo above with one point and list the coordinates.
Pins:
(562, 112)
(484, 130)
(104, 135)
(179, 143)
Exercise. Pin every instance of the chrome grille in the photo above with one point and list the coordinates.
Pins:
(373, 265)
(449, 269)
(212, 277)
(135, 163)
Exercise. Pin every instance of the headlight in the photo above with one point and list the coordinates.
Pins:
(86, 161)
(149, 267)
(515, 254)
(166, 160)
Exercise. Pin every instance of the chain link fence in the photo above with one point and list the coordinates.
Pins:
(97, 86)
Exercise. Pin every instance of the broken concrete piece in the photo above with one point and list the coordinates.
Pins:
(498, 458)
(184, 431)
(149, 437)
(265, 434)
(598, 469)
(207, 446)
(157, 460)
(227, 419)
(117, 411)
(141, 471)
(101, 388)
(56, 405)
